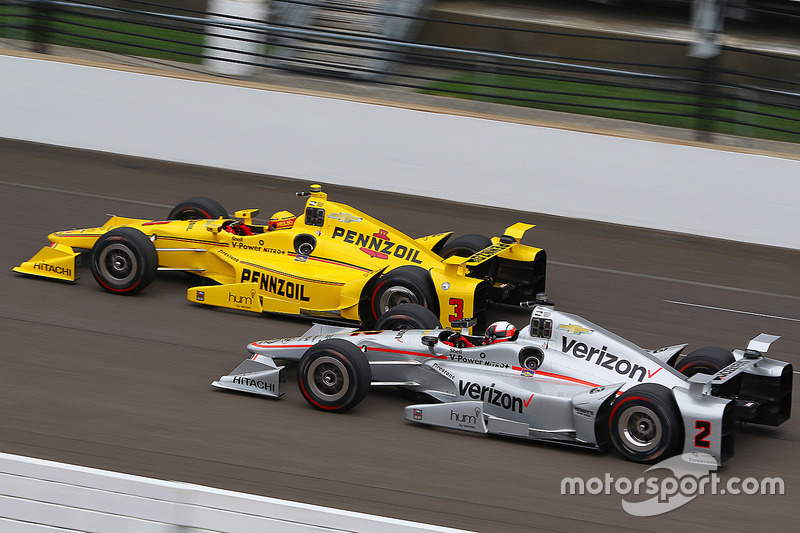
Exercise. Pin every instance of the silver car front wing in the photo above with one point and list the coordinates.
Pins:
(258, 375)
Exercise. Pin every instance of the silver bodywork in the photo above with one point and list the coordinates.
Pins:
(580, 370)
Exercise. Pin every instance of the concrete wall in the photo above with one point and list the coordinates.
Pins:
(39, 496)
(697, 190)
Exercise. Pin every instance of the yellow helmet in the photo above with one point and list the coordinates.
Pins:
(281, 220)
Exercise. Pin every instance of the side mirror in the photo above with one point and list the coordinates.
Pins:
(464, 324)
(430, 341)
(247, 215)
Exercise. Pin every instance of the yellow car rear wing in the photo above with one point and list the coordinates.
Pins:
(512, 237)
(518, 230)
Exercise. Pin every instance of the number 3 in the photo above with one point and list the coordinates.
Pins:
(458, 309)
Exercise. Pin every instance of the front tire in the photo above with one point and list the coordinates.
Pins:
(403, 285)
(198, 207)
(408, 316)
(334, 376)
(124, 261)
(708, 360)
(645, 425)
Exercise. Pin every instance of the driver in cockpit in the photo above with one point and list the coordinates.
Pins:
(500, 331)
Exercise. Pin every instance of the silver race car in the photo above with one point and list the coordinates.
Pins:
(559, 379)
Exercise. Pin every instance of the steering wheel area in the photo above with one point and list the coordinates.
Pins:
(237, 227)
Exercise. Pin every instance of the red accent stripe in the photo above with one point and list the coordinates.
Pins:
(560, 376)
(335, 262)
(75, 233)
(405, 352)
(213, 244)
(292, 276)
(282, 345)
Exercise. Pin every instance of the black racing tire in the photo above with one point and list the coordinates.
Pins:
(465, 245)
(405, 284)
(708, 360)
(645, 424)
(408, 316)
(198, 207)
(334, 376)
(124, 261)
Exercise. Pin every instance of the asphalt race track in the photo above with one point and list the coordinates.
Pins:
(124, 383)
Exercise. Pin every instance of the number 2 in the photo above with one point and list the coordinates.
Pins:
(701, 439)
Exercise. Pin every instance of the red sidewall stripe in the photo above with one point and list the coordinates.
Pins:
(316, 403)
(114, 289)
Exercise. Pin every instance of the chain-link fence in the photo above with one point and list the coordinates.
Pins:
(399, 43)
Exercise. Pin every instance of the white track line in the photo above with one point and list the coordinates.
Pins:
(733, 311)
(85, 194)
(736, 311)
(673, 280)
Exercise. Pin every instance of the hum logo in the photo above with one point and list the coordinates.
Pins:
(469, 420)
(240, 300)
(466, 420)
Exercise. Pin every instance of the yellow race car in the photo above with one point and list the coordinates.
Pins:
(332, 262)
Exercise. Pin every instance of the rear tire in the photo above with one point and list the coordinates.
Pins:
(198, 207)
(708, 360)
(405, 284)
(465, 245)
(645, 424)
(124, 261)
(408, 316)
(334, 376)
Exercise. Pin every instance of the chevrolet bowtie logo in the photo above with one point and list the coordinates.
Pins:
(344, 217)
(574, 329)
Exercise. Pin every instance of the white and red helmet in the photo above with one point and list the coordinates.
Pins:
(500, 332)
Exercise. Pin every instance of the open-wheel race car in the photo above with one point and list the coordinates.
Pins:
(332, 262)
(559, 379)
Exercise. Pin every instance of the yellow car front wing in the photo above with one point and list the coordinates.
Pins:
(57, 261)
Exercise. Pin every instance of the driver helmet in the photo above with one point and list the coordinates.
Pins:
(281, 220)
(500, 332)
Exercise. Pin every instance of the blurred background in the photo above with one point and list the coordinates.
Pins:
(712, 70)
